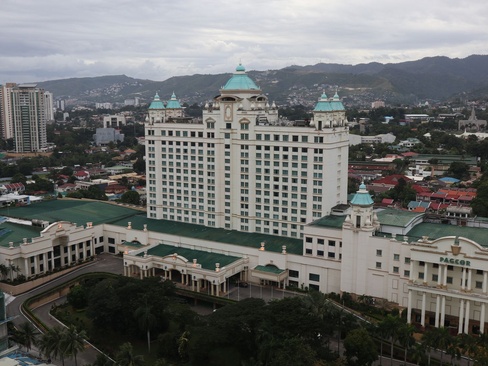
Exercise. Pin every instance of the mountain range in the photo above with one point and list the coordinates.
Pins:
(432, 78)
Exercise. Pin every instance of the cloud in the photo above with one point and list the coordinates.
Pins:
(157, 39)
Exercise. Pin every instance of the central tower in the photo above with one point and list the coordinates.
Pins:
(243, 168)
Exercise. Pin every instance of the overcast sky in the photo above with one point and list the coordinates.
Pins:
(157, 39)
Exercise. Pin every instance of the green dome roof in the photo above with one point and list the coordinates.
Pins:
(362, 197)
(240, 81)
(326, 105)
(173, 103)
(156, 103)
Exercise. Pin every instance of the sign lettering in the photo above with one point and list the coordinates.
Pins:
(459, 262)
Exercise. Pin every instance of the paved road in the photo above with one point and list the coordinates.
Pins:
(103, 263)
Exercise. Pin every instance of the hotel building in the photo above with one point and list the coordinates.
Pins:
(242, 167)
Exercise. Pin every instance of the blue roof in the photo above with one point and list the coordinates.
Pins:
(362, 197)
(240, 81)
(173, 103)
(156, 103)
(327, 105)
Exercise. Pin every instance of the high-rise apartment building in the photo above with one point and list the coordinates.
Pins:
(241, 167)
(23, 115)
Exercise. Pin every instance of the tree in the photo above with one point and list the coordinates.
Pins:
(360, 348)
(145, 319)
(73, 341)
(418, 353)
(27, 335)
(438, 338)
(458, 170)
(391, 324)
(125, 356)
(4, 270)
(19, 178)
(131, 197)
(405, 337)
(51, 344)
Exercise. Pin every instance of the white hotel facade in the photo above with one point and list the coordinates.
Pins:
(242, 167)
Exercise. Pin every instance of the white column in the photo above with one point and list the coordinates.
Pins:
(27, 267)
(463, 281)
(439, 275)
(485, 281)
(36, 264)
(141, 273)
(470, 271)
(437, 309)
(426, 272)
(461, 316)
(44, 261)
(443, 311)
(444, 280)
(482, 318)
(411, 277)
(69, 253)
(422, 316)
(409, 308)
(466, 321)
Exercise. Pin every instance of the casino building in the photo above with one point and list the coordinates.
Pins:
(245, 196)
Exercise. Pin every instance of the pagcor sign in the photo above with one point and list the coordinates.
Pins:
(460, 262)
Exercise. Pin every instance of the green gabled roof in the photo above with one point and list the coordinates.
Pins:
(253, 240)
(206, 259)
(393, 217)
(79, 211)
(156, 103)
(269, 269)
(436, 231)
(240, 81)
(332, 221)
(173, 103)
(10, 232)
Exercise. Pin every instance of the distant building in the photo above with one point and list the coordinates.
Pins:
(104, 136)
(24, 111)
(48, 106)
(377, 104)
(387, 138)
(133, 101)
(114, 121)
(471, 122)
(103, 105)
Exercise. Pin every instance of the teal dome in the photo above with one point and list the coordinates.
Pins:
(156, 103)
(240, 81)
(326, 105)
(173, 103)
(362, 197)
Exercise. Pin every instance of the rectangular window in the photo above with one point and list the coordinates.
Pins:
(320, 253)
(396, 270)
(379, 252)
(313, 277)
(406, 273)
(396, 257)
(331, 254)
(292, 273)
(435, 277)
(479, 284)
(421, 275)
(449, 280)
(378, 265)
(407, 260)
(308, 251)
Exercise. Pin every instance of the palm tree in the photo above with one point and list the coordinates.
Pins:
(417, 353)
(438, 338)
(3, 271)
(146, 320)
(406, 339)
(125, 356)
(51, 344)
(27, 335)
(382, 331)
(391, 325)
(469, 346)
(183, 343)
(73, 341)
